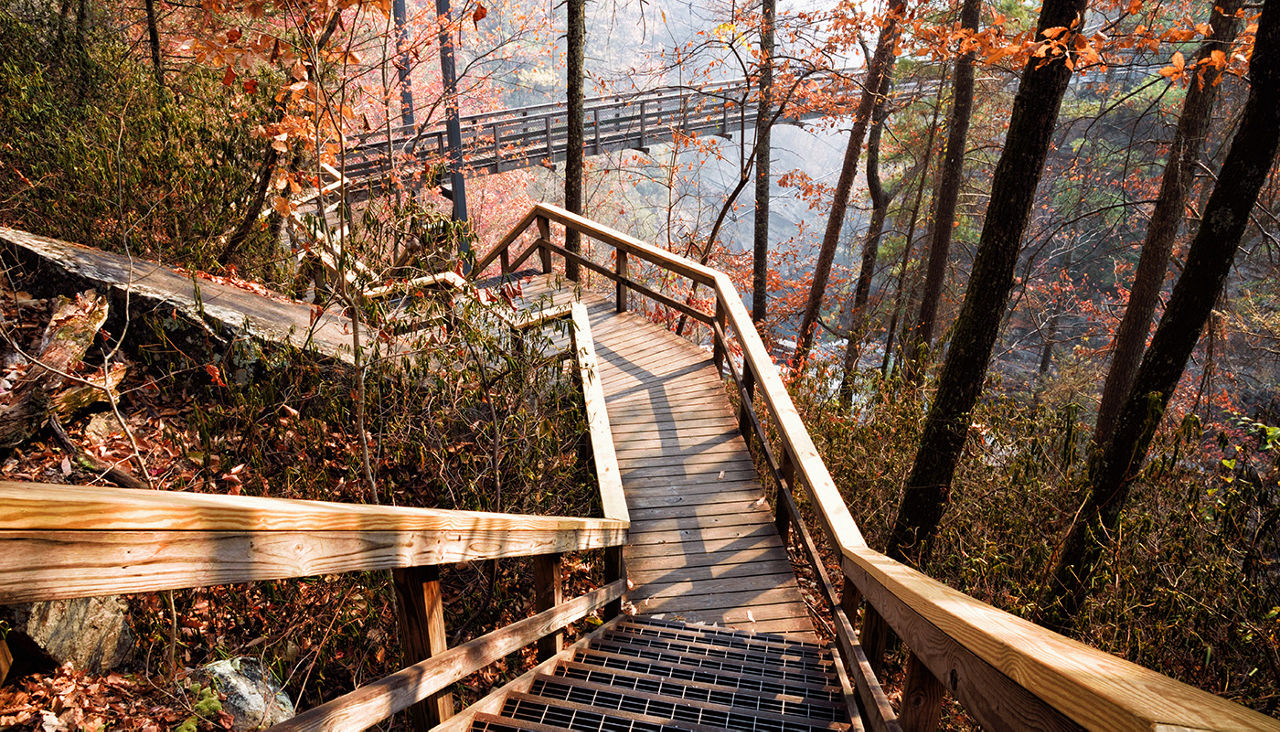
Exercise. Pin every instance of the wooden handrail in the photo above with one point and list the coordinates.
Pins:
(1008, 672)
(372, 703)
(608, 475)
(97, 540)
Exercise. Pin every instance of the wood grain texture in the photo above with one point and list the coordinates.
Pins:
(41, 506)
(375, 702)
(1091, 687)
(600, 434)
(88, 563)
(422, 635)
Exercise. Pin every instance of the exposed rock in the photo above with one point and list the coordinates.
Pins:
(254, 699)
(90, 633)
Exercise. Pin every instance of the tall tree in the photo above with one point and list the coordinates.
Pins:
(881, 63)
(1148, 279)
(880, 199)
(1116, 463)
(153, 39)
(944, 202)
(764, 135)
(1013, 188)
(573, 158)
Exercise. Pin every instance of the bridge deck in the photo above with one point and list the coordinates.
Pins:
(703, 546)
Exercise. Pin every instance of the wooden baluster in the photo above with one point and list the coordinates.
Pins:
(642, 125)
(547, 593)
(718, 345)
(782, 517)
(544, 238)
(744, 419)
(620, 290)
(874, 637)
(422, 635)
(595, 118)
(614, 570)
(922, 697)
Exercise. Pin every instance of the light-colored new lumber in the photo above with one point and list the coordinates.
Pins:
(377, 701)
(608, 475)
(49, 507)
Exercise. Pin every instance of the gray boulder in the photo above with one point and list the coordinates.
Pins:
(254, 699)
(90, 633)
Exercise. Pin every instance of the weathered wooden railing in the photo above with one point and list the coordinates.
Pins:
(1007, 672)
(60, 542)
(522, 137)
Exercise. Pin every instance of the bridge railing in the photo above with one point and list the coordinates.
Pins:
(61, 542)
(1007, 672)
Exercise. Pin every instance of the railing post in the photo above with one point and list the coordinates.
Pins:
(781, 514)
(643, 127)
(614, 570)
(547, 593)
(748, 387)
(547, 128)
(544, 238)
(717, 343)
(922, 697)
(620, 289)
(595, 118)
(874, 637)
(422, 635)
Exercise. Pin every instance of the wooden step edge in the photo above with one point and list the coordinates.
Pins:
(710, 650)
(710, 633)
(520, 696)
(722, 688)
(594, 656)
(492, 702)
(760, 671)
(690, 703)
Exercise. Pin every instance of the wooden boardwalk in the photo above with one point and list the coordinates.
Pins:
(703, 546)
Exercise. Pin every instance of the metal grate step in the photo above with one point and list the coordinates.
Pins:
(709, 647)
(707, 693)
(647, 675)
(601, 697)
(669, 656)
(722, 678)
(726, 636)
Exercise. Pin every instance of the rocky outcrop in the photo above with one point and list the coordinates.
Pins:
(90, 633)
(253, 698)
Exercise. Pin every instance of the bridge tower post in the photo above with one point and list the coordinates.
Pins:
(402, 63)
(453, 126)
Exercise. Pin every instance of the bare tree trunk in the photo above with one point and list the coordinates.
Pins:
(1148, 279)
(880, 199)
(764, 134)
(1118, 462)
(153, 36)
(573, 160)
(1013, 188)
(944, 204)
(881, 63)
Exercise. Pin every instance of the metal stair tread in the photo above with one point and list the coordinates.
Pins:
(700, 695)
(710, 686)
(677, 710)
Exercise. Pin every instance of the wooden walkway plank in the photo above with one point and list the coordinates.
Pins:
(702, 545)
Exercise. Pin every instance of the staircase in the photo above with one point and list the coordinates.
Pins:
(648, 674)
